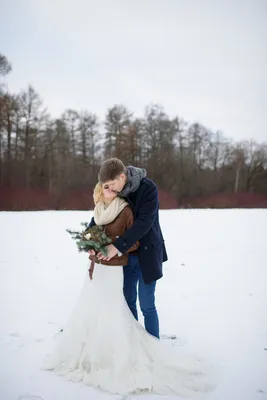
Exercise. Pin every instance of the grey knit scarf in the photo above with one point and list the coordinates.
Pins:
(134, 177)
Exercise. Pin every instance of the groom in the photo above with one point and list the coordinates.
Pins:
(145, 266)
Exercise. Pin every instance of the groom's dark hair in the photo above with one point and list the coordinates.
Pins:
(111, 169)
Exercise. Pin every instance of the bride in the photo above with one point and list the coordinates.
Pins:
(102, 344)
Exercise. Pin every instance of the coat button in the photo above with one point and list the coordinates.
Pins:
(145, 247)
(124, 244)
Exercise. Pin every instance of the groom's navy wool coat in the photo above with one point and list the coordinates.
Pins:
(146, 228)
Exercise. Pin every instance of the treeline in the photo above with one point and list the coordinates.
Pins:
(63, 155)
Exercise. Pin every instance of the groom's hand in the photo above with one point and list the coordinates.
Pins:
(111, 252)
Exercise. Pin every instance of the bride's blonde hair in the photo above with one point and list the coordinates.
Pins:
(98, 193)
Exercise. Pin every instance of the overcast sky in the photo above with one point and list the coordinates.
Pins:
(204, 60)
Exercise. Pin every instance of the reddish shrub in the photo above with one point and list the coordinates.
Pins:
(16, 199)
(167, 200)
(228, 200)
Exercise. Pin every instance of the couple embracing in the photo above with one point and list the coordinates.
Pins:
(103, 344)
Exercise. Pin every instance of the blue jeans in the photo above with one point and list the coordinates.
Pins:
(146, 293)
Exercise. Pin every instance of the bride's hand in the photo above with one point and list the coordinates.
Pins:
(91, 253)
(111, 252)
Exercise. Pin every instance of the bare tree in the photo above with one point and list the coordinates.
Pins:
(256, 162)
(71, 119)
(61, 156)
(5, 65)
(117, 125)
(30, 103)
(88, 144)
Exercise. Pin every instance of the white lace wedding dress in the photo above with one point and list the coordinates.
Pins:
(102, 345)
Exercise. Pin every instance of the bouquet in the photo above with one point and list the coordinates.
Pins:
(93, 238)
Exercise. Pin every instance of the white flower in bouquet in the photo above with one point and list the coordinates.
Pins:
(88, 236)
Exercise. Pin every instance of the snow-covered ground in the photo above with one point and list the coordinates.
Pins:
(213, 297)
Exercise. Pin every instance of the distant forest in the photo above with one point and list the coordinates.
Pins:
(48, 163)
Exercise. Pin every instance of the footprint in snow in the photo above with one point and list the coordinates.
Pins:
(23, 341)
(174, 340)
(29, 397)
